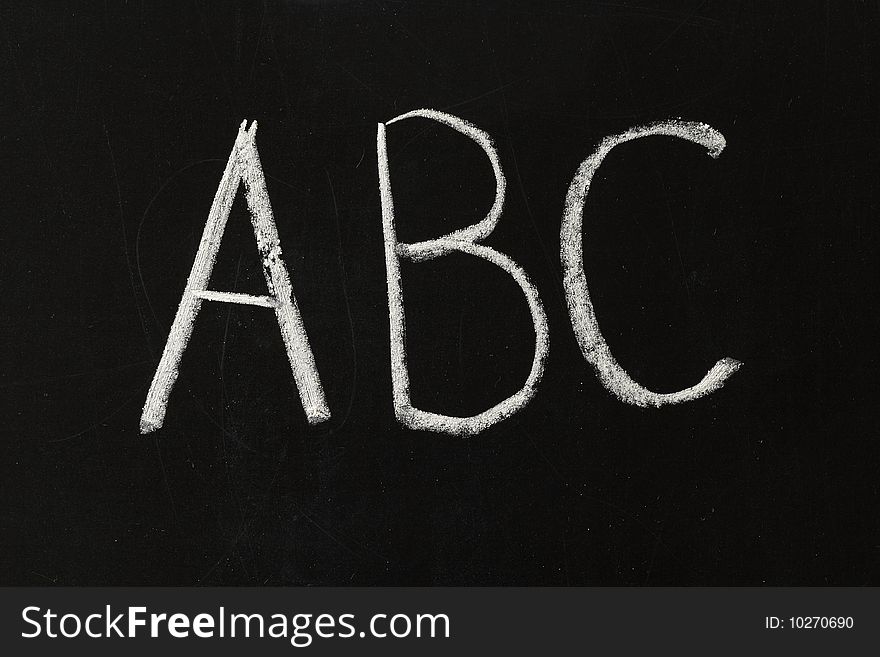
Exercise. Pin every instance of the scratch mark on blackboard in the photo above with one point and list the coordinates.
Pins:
(95, 425)
(137, 241)
(125, 239)
(473, 99)
(54, 580)
(221, 70)
(259, 42)
(165, 477)
(521, 185)
(74, 375)
(684, 21)
(361, 82)
(344, 283)
(684, 277)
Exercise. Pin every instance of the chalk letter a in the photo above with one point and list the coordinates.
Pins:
(463, 241)
(243, 164)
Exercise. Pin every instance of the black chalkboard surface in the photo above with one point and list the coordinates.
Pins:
(116, 122)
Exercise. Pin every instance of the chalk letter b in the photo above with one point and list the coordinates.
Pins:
(463, 241)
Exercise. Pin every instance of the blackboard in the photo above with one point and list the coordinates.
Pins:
(117, 121)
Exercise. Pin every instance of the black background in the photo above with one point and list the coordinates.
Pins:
(116, 123)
